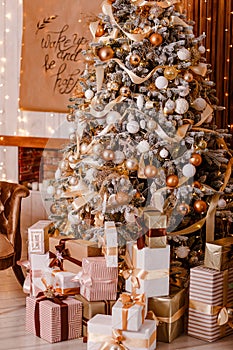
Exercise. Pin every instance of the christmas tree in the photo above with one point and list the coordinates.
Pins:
(144, 136)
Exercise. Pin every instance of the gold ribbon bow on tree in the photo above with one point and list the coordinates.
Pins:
(117, 339)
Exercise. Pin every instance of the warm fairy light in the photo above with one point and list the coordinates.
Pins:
(8, 15)
(208, 18)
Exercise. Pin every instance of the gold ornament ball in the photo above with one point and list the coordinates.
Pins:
(172, 180)
(183, 208)
(197, 184)
(188, 77)
(195, 159)
(202, 144)
(108, 155)
(99, 31)
(156, 39)
(170, 73)
(135, 60)
(122, 197)
(150, 171)
(125, 91)
(131, 164)
(200, 206)
(105, 53)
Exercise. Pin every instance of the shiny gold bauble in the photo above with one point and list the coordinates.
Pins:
(197, 184)
(172, 180)
(188, 77)
(170, 73)
(131, 164)
(135, 60)
(202, 144)
(183, 208)
(125, 91)
(150, 171)
(99, 31)
(195, 159)
(122, 197)
(156, 39)
(200, 206)
(105, 53)
(108, 155)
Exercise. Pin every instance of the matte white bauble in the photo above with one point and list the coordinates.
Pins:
(113, 117)
(140, 102)
(131, 164)
(89, 94)
(142, 123)
(163, 153)
(199, 104)
(83, 147)
(119, 157)
(182, 106)
(161, 82)
(189, 170)
(184, 54)
(143, 147)
(132, 127)
(50, 190)
(170, 106)
(97, 149)
(222, 203)
(151, 124)
(201, 49)
(184, 91)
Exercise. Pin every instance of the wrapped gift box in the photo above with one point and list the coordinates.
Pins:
(210, 291)
(100, 290)
(63, 283)
(156, 234)
(151, 267)
(219, 254)
(110, 248)
(100, 331)
(39, 269)
(170, 311)
(38, 237)
(129, 312)
(96, 268)
(92, 308)
(73, 251)
(54, 322)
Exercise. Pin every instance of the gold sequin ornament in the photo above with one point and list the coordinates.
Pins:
(170, 72)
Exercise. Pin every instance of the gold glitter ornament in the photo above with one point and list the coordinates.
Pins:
(170, 73)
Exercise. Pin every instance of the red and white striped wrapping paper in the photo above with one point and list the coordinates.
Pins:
(96, 268)
(206, 298)
(50, 319)
(100, 290)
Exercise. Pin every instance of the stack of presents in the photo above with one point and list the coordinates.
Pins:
(73, 290)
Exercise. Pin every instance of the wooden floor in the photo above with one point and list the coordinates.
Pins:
(13, 335)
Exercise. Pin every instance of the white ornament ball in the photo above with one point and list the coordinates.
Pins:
(140, 102)
(199, 104)
(50, 190)
(89, 94)
(83, 147)
(119, 157)
(143, 147)
(142, 124)
(97, 149)
(201, 49)
(132, 127)
(161, 82)
(189, 170)
(184, 54)
(182, 106)
(163, 153)
(222, 203)
(184, 90)
(151, 124)
(182, 252)
(113, 117)
(170, 106)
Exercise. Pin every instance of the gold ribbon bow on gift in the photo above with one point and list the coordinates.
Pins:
(225, 316)
(130, 271)
(129, 300)
(117, 339)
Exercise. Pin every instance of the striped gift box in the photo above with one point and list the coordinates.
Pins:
(210, 291)
(100, 290)
(96, 268)
(50, 324)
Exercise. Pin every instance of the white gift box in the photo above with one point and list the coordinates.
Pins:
(129, 312)
(38, 237)
(111, 246)
(40, 269)
(151, 267)
(64, 284)
(100, 331)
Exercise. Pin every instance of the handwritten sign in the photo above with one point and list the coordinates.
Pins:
(55, 33)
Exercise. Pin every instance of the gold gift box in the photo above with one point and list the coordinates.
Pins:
(170, 311)
(92, 308)
(156, 236)
(219, 254)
